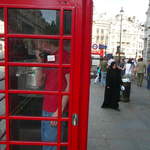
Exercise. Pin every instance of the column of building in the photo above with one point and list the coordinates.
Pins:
(147, 36)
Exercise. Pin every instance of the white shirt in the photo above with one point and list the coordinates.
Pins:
(128, 69)
(110, 61)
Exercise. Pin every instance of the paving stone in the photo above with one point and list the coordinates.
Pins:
(125, 130)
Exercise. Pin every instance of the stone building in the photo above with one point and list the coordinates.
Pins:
(106, 31)
(147, 36)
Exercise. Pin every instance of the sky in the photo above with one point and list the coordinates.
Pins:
(136, 8)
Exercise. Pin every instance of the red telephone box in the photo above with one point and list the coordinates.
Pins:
(44, 74)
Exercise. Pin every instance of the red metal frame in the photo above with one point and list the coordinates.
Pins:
(85, 89)
(79, 67)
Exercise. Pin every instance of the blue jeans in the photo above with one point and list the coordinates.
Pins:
(103, 78)
(48, 133)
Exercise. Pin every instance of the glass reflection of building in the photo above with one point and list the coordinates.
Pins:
(1, 21)
(27, 21)
(1, 32)
(30, 21)
(1, 26)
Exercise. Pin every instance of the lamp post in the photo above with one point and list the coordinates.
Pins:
(120, 46)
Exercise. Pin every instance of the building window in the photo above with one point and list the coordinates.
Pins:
(97, 30)
(102, 38)
(102, 31)
(1, 47)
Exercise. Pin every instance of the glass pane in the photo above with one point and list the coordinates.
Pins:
(66, 52)
(34, 50)
(33, 104)
(1, 21)
(65, 106)
(2, 130)
(34, 78)
(67, 22)
(64, 148)
(33, 130)
(2, 147)
(29, 147)
(25, 147)
(65, 79)
(64, 132)
(2, 78)
(2, 104)
(1, 49)
(33, 21)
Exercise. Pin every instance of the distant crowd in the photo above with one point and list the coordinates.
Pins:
(117, 76)
(130, 68)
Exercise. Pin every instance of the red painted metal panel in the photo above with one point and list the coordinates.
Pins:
(86, 73)
(43, 3)
(38, 36)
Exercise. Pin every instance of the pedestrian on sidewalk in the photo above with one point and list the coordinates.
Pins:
(140, 69)
(98, 73)
(103, 66)
(112, 88)
(128, 69)
(148, 75)
(122, 67)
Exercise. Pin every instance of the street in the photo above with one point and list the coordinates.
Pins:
(128, 129)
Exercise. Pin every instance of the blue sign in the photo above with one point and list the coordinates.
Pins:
(102, 46)
(99, 46)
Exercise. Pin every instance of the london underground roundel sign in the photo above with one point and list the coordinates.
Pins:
(95, 46)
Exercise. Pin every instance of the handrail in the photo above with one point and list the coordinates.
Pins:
(21, 105)
(4, 133)
(2, 98)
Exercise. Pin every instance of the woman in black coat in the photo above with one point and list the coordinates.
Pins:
(112, 89)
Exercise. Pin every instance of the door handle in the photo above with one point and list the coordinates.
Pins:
(75, 119)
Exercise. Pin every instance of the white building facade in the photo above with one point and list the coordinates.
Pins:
(106, 31)
(147, 36)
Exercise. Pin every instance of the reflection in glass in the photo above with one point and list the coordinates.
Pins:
(66, 51)
(64, 148)
(26, 104)
(31, 130)
(67, 22)
(1, 21)
(64, 131)
(34, 50)
(2, 130)
(25, 147)
(65, 110)
(2, 147)
(33, 104)
(25, 130)
(1, 49)
(2, 104)
(33, 21)
(65, 79)
(2, 78)
(34, 78)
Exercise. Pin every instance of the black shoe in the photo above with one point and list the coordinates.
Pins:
(117, 109)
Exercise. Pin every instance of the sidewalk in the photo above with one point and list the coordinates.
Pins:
(125, 130)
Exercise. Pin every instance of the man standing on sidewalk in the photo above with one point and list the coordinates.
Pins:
(140, 70)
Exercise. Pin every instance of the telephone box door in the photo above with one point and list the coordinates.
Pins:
(39, 75)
